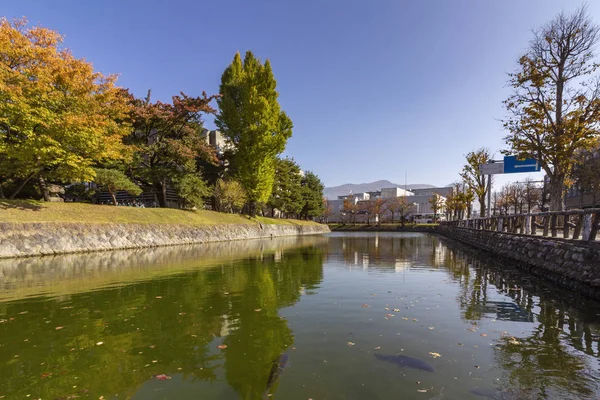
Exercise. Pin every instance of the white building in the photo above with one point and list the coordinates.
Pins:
(390, 193)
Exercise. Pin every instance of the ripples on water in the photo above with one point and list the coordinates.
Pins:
(292, 318)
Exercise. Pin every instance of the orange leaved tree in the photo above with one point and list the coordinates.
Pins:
(58, 117)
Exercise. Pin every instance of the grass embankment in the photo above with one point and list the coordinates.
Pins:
(16, 211)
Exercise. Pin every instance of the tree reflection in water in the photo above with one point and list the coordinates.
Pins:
(547, 355)
(113, 340)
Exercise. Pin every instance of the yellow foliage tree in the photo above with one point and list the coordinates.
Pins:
(58, 117)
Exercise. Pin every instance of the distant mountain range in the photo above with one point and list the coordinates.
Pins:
(333, 192)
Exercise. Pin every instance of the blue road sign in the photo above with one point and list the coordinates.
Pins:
(512, 165)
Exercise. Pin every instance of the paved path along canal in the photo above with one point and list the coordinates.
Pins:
(341, 316)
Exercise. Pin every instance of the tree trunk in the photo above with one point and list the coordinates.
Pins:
(114, 197)
(391, 212)
(1, 191)
(482, 207)
(252, 208)
(557, 189)
(21, 186)
(44, 188)
(162, 194)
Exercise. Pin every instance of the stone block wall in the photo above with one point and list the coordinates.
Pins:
(36, 239)
(572, 264)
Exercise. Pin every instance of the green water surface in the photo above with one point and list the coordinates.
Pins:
(292, 318)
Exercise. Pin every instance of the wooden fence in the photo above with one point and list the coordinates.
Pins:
(572, 224)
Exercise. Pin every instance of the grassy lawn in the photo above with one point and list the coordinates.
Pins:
(36, 211)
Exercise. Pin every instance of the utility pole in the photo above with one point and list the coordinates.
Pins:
(489, 205)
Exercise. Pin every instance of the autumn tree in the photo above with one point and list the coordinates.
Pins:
(169, 142)
(586, 175)
(349, 209)
(472, 176)
(505, 199)
(531, 194)
(437, 204)
(518, 196)
(251, 120)
(555, 106)
(58, 117)
(380, 206)
(311, 196)
(229, 195)
(113, 181)
(327, 210)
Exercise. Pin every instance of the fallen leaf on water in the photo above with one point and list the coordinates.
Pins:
(389, 315)
(415, 320)
(154, 361)
(366, 306)
(484, 334)
(159, 297)
(460, 344)
(351, 344)
(471, 330)
(434, 355)
(512, 340)
(99, 343)
(377, 348)
(396, 310)
(23, 312)
(431, 328)
(387, 309)
(162, 377)
(404, 318)
(257, 309)
(422, 390)
(58, 328)
(152, 346)
(222, 346)
(477, 366)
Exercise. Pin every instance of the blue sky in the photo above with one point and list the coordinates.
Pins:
(375, 89)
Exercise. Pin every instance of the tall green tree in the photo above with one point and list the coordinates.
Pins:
(312, 196)
(252, 121)
(169, 142)
(473, 177)
(286, 195)
(555, 106)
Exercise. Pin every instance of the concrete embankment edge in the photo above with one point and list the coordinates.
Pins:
(39, 239)
(574, 265)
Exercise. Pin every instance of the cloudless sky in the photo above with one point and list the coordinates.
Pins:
(375, 89)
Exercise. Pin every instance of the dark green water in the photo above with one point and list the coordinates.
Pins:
(295, 318)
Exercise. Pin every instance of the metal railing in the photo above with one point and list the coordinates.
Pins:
(572, 224)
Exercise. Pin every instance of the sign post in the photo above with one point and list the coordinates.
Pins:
(494, 167)
(510, 165)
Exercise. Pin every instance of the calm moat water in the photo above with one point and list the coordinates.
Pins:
(342, 316)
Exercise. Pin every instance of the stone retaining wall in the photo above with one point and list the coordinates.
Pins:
(571, 264)
(36, 239)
